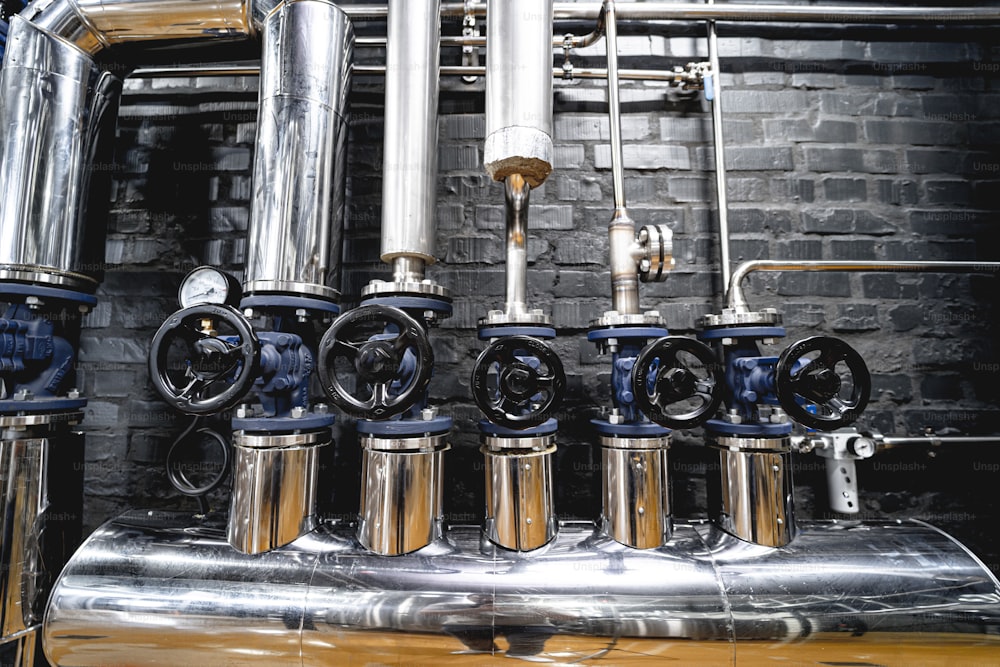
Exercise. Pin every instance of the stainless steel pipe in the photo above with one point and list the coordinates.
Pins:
(520, 513)
(297, 202)
(517, 195)
(736, 300)
(55, 107)
(519, 90)
(719, 150)
(409, 168)
(636, 491)
(160, 589)
(757, 503)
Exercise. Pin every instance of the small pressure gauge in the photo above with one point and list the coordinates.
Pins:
(207, 284)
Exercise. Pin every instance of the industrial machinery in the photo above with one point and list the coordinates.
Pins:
(266, 364)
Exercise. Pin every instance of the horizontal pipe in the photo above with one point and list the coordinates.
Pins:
(165, 589)
(935, 440)
(736, 300)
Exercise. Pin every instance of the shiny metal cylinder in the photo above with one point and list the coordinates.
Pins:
(409, 167)
(517, 194)
(55, 106)
(624, 268)
(297, 203)
(93, 25)
(519, 90)
(402, 493)
(636, 509)
(719, 150)
(273, 499)
(157, 589)
(520, 513)
(42, 488)
(756, 488)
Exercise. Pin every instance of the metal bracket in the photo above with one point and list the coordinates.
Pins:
(470, 28)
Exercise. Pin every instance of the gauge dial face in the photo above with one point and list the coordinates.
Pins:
(206, 284)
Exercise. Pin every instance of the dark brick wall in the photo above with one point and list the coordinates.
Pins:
(842, 143)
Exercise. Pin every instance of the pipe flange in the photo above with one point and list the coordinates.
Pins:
(745, 444)
(419, 445)
(539, 444)
(500, 317)
(426, 287)
(617, 442)
(613, 318)
(730, 317)
(43, 275)
(281, 441)
(291, 287)
(40, 419)
(656, 242)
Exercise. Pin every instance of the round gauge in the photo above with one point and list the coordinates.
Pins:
(207, 284)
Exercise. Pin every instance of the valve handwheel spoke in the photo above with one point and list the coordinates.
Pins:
(684, 372)
(524, 396)
(364, 342)
(203, 369)
(801, 380)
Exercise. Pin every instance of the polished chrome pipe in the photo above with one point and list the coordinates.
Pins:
(636, 508)
(889, 441)
(56, 105)
(161, 589)
(719, 149)
(517, 194)
(520, 512)
(756, 490)
(409, 167)
(297, 203)
(402, 493)
(275, 480)
(736, 300)
(519, 90)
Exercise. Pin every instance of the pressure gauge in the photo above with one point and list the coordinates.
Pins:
(207, 284)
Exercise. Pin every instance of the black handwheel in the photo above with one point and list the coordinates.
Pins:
(812, 372)
(370, 343)
(511, 402)
(204, 359)
(686, 386)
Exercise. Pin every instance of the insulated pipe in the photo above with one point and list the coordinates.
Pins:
(158, 589)
(519, 90)
(296, 216)
(736, 300)
(409, 169)
(55, 104)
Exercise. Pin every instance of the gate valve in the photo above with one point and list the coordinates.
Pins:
(804, 380)
(677, 382)
(529, 382)
(389, 354)
(204, 359)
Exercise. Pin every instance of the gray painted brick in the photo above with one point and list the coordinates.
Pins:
(744, 220)
(686, 129)
(474, 249)
(844, 221)
(645, 156)
(463, 126)
(856, 317)
(845, 189)
(749, 158)
(913, 132)
(452, 157)
(573, 250)
(802, 314)
(898, 192)
(823, 159)
(847, 103)
(746, 189)
(888, 286)
(793, 189)
(799, 249)
(689, 189)
(948, 191)
(807, 283)
(802, 130)
(850, 249)
(586, 127)
(905, 56)
(765, 101)
(568, 157)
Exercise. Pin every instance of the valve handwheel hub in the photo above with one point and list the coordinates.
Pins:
(523, 396)
(686, 386)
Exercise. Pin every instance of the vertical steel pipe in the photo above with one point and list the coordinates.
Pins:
(520, 514)
(296, 216)
(636, 491)
(719, 149)
(55, 105)
(409, 169)
(519, 90)
(756, 490)
(517, 195)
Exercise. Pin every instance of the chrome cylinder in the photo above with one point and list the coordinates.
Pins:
(636, 509)
(756, 489)
(40, 517)
(517, 195)
(164, 590)
(519, 90)
(520, 513)
(55, 106)
(297, 203)
(402, 490)
(273, 498)
(409, 168)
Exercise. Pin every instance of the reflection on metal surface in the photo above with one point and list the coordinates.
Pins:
(297, 203)
(401, 493)
(519, 507)
(55, 106)
(273, 498)
(636, 492)
(757, 489)
(409, 166)
(163, 591)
